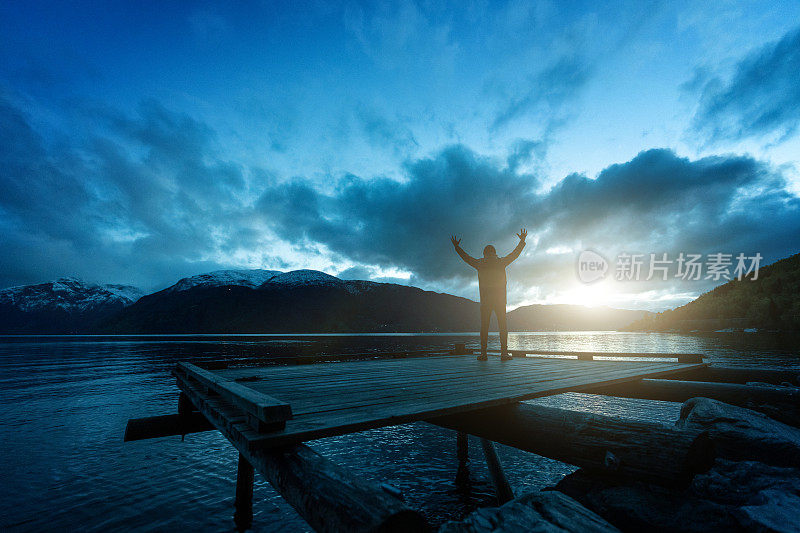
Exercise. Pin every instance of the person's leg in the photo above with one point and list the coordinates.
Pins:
(486, 314)
(502, 325)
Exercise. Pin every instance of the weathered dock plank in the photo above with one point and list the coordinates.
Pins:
(265, 408)
(338, 398)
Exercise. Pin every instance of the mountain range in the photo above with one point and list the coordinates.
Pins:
(66, 305)
(268, 301)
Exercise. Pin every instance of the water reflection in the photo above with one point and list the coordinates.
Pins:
(64, 402)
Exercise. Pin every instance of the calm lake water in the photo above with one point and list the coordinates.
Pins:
(64, 403)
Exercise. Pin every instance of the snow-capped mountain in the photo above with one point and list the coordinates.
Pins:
(258, 278)
(69, 294)
(303, 277)
(61, 306)
(220, 278)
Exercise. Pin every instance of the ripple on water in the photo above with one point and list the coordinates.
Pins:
(64, 404)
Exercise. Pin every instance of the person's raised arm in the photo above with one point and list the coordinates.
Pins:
(468, 259)
(507, 260)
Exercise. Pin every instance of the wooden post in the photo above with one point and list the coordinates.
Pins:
(185, 405)
(460, 349)
(626, 448)
(462, 452)
(243, 516)
(326, 495)
(501, 487)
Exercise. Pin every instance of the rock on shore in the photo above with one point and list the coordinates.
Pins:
(754, 484)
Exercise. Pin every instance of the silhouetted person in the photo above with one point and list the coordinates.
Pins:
(492, 283)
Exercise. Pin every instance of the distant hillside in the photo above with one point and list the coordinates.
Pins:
(66, 305)
(772, 301)
(302, 301)
(571, 317)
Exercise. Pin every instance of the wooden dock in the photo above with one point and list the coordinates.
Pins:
(268, 412)
(276, 406)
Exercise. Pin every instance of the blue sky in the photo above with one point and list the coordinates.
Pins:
(146, 141)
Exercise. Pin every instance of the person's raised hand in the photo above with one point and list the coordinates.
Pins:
(522, 234)
(456, 241)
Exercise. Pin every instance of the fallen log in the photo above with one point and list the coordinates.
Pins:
(740, 375)
(536, 511)
(153, 427)
(740, 434)
(660, 453)
(780, 403)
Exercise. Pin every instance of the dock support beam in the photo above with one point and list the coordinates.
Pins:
(501, 487)
(462, 451)
(153, 427)
(185, 405)
(243, 516)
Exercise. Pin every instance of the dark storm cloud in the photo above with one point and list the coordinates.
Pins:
(657, 202)
(405, 224)
(145, 200)
(164, 179)
(660, 197)
(761, 98)
(23, 155)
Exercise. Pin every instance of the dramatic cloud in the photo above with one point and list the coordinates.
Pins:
(655, 203)
(141, 203)
(405, 224)
(659, 200)
(761, 98)
(153, 199)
